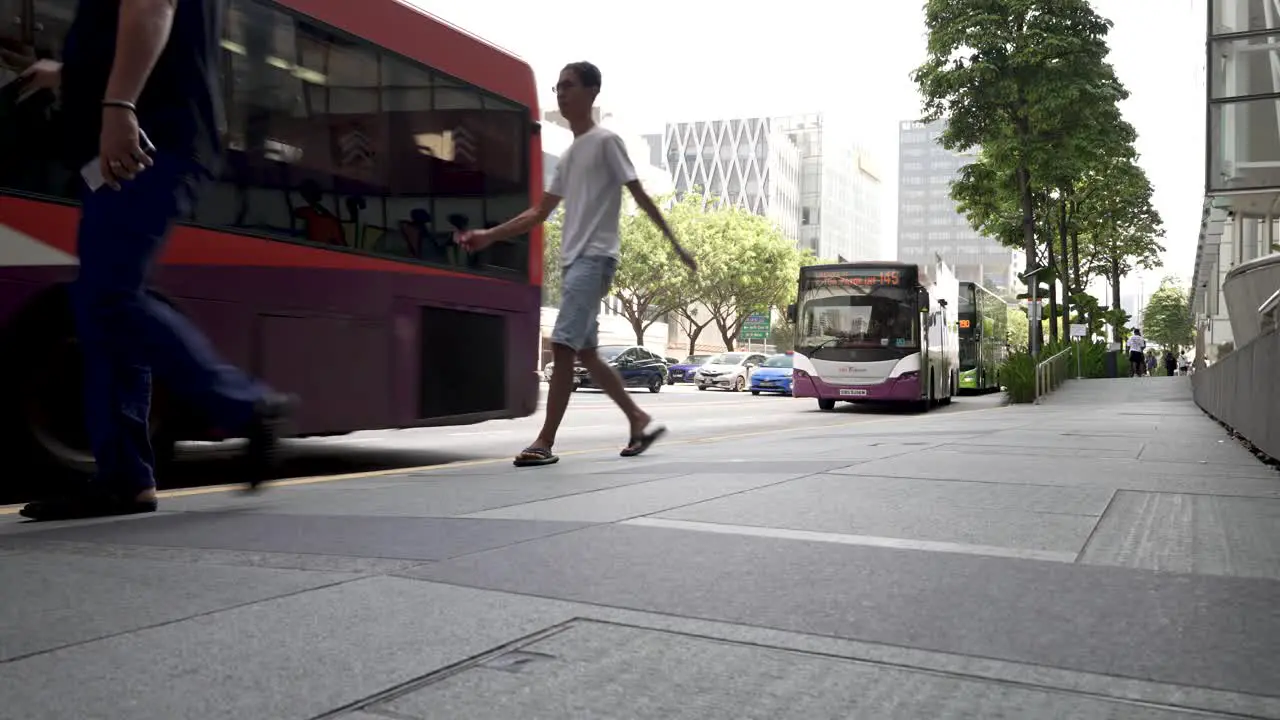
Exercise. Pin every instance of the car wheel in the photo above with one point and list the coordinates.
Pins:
(755, 392)
(702, 387)
(739, 384)
(655, 384)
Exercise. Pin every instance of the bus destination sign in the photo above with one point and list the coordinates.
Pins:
(855, 277)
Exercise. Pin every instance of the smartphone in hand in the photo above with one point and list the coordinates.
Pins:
(92, 170)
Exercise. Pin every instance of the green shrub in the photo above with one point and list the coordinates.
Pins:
(1018, 375)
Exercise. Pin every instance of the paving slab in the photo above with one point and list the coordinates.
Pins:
(1017, 450)
(354, 536)
(944, 464)
(1197, 450)
(610, 671)
(1200, 534)
(1188, 628)
(423, 496)
(291, 658)
(1017, 516)
(615, 504)
(50, 600)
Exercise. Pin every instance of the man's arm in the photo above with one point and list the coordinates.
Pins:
(142, 35)
(518, 225)
(651, 209)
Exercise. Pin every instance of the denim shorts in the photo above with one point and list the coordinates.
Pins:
(585, 283)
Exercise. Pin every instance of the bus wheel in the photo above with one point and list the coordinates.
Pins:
(826, 404)
(44, 404)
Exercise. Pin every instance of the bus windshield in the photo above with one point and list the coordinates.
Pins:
(858, 317)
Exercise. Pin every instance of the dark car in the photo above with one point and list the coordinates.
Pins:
(637, 366)
(683, 372)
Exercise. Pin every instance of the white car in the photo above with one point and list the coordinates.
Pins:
(728, 371)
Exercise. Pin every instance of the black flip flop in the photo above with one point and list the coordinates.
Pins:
(642, 443)
(540, 456)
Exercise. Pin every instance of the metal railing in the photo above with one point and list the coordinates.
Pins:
(1051, 373)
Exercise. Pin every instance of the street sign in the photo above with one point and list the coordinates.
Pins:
(755, 327)
(1079, 331)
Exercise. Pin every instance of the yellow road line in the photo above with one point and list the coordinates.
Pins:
(319, 479)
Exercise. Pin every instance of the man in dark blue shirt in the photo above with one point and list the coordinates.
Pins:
(135, 67)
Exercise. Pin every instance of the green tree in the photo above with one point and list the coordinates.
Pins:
(1019, 329)
(746, 265)
(1005, 74)
(651, 281)
(1124, 231)
(1167, 318)
(551, 259)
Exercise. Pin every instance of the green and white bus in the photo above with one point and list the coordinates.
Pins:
(984, 337)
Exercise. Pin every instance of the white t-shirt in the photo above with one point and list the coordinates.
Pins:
(1137, 343)
(590, 177)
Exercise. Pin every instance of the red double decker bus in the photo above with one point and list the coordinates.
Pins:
(360, 136)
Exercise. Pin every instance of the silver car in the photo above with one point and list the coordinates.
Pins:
(728, 371)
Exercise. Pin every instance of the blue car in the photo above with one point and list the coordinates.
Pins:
(773, 376)
(683, 372)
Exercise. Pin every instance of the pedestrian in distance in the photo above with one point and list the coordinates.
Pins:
(139, 91)
(589, 179)
(1137, 360)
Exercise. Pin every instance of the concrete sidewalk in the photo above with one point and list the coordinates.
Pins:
(1108, 554)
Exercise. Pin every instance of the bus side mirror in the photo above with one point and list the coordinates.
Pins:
(791, 313)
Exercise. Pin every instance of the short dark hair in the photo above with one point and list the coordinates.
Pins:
(588, 74)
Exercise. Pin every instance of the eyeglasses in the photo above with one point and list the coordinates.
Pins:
(563, 86)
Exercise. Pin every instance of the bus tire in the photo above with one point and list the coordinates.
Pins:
(826, 404)
(42, 407)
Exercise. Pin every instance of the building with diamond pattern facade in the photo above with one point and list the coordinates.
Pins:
(804, 172)
(745, 162)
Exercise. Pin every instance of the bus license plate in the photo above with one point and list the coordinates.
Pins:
(853, 393)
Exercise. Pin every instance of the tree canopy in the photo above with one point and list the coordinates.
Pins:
(1026, 82)
(1167, 318)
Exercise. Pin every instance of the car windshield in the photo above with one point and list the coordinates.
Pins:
(727, 359)
(696, 359)
(778, 361)
(609, 352)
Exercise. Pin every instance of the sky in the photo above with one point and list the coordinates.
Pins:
(664, 60)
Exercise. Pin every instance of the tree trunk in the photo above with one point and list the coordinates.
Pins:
(1115, 295)
(693, 334)
(1053, 288)
(726, 335)
(1029, 243)
(1067, 287)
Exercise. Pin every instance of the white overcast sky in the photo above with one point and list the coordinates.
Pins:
(671, 60)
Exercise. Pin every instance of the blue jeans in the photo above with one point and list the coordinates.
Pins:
(126, 334)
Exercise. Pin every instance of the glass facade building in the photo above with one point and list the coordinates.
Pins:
(1236, 264)
(929, 225)
(802, 171)
(741, 161)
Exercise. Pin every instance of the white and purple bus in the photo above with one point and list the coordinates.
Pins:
(876, 332)
(360, 136)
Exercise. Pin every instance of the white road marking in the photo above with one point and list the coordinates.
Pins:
(864, 540)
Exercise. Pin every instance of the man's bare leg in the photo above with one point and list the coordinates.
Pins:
(607, 379)
(558, 392)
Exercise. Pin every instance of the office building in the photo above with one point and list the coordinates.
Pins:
(1237, 269)
(745, 162)
(840, 189)
(929, 225)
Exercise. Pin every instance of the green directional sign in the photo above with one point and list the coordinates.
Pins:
(755, 327)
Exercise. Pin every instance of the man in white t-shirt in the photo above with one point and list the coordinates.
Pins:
(1137, 362)
(589, 178)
